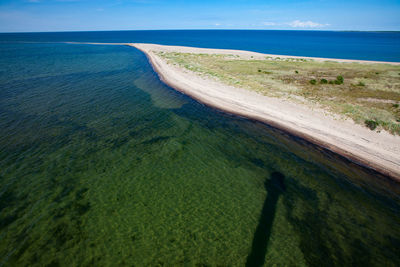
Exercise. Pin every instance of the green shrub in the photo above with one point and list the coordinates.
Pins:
(296, 71)
(324, 81)
(339, 80)
(259, 70)
(371, 124)
(313, 81)
(395, 105)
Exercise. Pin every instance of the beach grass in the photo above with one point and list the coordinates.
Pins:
(359, 91)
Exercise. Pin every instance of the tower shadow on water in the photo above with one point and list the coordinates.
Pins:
(275, 186)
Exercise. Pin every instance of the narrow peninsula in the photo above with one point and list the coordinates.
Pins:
(350, 107)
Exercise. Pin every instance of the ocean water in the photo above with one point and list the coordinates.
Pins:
(382, 46)
(102, 164)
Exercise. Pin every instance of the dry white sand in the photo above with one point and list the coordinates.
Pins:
(379, 151)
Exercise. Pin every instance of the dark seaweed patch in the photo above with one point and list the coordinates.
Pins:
(7, 199)
(4, 222)
(80, 193)
(257, 162)
(81, 209)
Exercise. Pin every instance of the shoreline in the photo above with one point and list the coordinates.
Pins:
(377, 151)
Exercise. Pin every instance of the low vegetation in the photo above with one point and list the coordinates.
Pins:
(371, 124)
(367, 93)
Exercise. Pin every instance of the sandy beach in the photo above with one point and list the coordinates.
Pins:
(377, 150)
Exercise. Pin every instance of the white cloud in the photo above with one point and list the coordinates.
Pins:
(269, 23)
(305, 24)
(295, 24)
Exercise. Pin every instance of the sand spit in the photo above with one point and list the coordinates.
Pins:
(245, 54)
(379, 151)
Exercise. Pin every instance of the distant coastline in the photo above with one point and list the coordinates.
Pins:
(379, 151)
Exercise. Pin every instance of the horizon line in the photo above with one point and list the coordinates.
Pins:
(227, 29)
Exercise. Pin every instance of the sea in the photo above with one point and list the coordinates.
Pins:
(102, 164)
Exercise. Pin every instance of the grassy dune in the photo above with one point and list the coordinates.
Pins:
(367, 93)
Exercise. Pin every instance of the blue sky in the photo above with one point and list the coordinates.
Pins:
(80, 15)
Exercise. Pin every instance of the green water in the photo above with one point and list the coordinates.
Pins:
(103, 165)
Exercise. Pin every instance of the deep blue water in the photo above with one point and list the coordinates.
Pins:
(383, 46)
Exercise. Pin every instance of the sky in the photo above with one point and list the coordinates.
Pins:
(95, 15)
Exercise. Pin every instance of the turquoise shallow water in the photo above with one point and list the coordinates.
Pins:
(101, 164)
